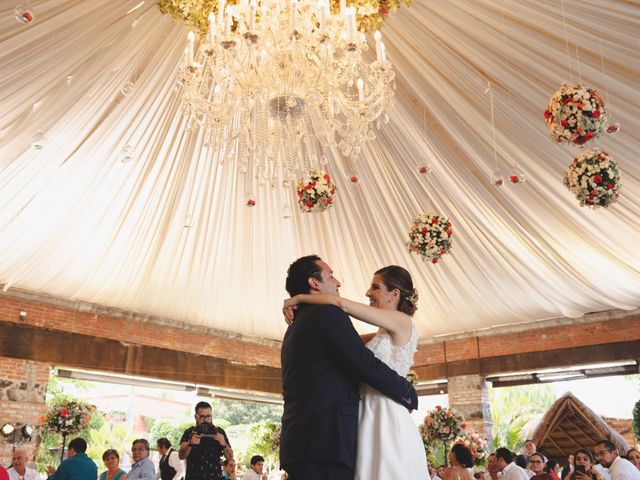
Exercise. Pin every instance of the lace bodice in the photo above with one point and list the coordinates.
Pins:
(398, 358)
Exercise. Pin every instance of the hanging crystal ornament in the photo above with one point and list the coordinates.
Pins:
(39, 141)
(127, 88)
(127, 153)
(517, 176)
(23, 14)
(497, 178)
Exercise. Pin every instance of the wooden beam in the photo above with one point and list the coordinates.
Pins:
(92, 353)
(609, 352)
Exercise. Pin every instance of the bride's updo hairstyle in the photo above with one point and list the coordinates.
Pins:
(394, 277)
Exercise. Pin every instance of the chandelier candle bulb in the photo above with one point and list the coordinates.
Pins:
(190, 39)
(360, 84)
(221, 4)
(212, 29)
(185, 57)
(383, 53)
(343, 7)
(378, 38)
(294, 9)
(252, 16)
(350, 22)
(228, 18)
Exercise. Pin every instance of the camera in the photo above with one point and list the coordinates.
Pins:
(580, 468)
(206, 430)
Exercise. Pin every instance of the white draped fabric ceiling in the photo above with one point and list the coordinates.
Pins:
(169, 233)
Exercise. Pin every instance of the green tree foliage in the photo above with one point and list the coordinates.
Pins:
(239, 413)
(110, 435)
(512, 408)
(636, 420)
(262, 442)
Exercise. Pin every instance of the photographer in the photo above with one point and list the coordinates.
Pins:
(203, 445)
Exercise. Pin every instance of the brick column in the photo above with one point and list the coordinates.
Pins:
(469, 396)
(23, 385)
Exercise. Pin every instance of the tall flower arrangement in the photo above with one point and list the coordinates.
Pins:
(441, 426)
(575, 114)
(67, 417)
(594, 179)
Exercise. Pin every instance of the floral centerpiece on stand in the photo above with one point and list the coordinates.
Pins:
(594, 179)
(67, 417)
(575, 114)
(476, 444)
(315, 192)
(370, 14)
(430, 235)
(441, 426)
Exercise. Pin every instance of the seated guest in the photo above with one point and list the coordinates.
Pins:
(510, 471)
(633, 456)
(255, 472)
(537, 463)
(619, 468)
(460, 459)
(19, 468)
(432, 473)
(77, 466)
(111, 459)
(492, 467)
(523, 462)
(142, 468)
(529, 448)
(568, 468)
(553, 469)
(229, 469)
(584, 468)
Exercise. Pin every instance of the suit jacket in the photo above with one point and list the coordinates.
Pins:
(323, 359)
(78, 467)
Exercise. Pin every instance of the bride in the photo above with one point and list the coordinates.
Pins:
(389, 444)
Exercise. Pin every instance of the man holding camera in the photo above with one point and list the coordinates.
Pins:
(202, 446)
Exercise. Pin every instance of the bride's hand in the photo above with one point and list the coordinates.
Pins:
(288, 310)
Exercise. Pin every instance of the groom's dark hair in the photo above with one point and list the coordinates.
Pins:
(299, 273)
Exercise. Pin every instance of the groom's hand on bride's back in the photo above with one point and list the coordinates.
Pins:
(411, 400)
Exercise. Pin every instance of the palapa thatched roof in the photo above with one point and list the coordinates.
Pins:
(569, 425)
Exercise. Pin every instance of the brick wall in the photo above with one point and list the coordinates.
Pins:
(22, 395)
(133, 328)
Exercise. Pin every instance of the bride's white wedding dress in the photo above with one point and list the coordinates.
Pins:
(389, 443)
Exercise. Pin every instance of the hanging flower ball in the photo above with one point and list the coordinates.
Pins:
(315, 192)
(497, 178)
(594, 179)
(424, 169)
(251, 202)
(430, 236)
(575, 114)
(517, 176)
(354, 178)
(23, 15)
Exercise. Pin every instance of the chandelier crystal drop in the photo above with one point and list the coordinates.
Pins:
(278, 84)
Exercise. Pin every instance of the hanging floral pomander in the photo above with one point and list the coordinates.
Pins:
(594, 179)
(575, 115)
(430, 236)
(315, 192)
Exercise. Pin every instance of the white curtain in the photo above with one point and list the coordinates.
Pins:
(168, 233)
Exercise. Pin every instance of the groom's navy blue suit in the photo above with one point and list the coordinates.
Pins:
(323, 359)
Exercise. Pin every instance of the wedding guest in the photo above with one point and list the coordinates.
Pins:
(229, 470)
(492, 467)
(523, 462)
(510, 471)
(529, 447)
(584, 468)
(170, 467)
(256, 470)
(553, 469)
(537, 463)
(433, 474)
(111, 459)
(77, 466)
(19, 469)
(460, 459)
(568, 468)
(441, 470)
(619, 468)
(143, 468)
(633, 456)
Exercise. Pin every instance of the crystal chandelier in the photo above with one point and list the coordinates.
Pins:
(277, 84)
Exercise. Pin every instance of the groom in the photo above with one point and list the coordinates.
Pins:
(323, 359)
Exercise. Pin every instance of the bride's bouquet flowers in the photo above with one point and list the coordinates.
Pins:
(315, 191)
(430, 235)
(476, 444)
(575, 114)
(594, 179)
(67, 417)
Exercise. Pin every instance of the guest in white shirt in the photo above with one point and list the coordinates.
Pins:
(619, 468)
(510, 471)
(255, 472)
(19, 470)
